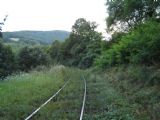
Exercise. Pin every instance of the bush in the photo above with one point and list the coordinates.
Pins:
(6, 60)
(140, 46)
(55, 52)
(29, 58)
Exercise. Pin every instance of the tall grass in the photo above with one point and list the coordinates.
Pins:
(67, 105)
(104, 102)
(21, 94)
(119, 93)
(140, 86)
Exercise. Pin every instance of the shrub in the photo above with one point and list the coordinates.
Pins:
(140, 46)
(6, 60)
(29, 58)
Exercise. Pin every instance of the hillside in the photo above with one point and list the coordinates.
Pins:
(45, 37)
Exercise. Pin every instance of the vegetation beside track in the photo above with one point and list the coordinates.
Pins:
(67, 105)
(104, 102)
(111, 94)
(139, 86)
(23, 93)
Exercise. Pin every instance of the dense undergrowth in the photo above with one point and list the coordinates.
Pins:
(139, 85)
(123, 92)
(22, 94)
(104, 102)
(140, 45)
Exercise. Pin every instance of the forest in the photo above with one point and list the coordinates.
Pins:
(128, 64)
(43, 37)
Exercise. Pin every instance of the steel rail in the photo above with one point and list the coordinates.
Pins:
(84, 99)
(33, 113)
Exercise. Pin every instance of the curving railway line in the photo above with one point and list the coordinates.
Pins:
(56, 94)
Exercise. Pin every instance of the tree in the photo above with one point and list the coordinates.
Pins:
(29, 58)
(6, 60)
(124, 14)
(93, 50)
(1, 24)
(140, 46)
(55, 51)
(81, 43)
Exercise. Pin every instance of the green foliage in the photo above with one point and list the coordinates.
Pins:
(1, 35)
(82, 46)
(128, 13)
(105, 102)
(6, 60)
(93, 50)
(68, 103)
(55, 52)
(133, 82)
(29, 58)
(140, 46)
(23, 93)
(18, 45)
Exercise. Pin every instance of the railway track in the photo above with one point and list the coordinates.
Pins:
(53, 96)
(84, 99)
(57, 93)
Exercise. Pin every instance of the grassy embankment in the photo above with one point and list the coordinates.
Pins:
(131, 92)
(21, 94)
(104, 102)
(126, 93)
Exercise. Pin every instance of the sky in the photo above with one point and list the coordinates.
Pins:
(51, 14)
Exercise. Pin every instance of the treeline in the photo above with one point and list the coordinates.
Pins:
(26, 59)
(6, 60)
(41, 37)
(134, 25)
(82, 47)
(136, 38)
(140, 46)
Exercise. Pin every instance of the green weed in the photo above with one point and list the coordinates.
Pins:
(21, 94)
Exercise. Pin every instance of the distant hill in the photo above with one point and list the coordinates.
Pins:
(44, 37)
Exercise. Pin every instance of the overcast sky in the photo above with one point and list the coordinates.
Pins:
(51, 14)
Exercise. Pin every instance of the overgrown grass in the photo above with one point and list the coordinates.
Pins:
(21, 94)
(67, 105)
(104, 102)
(119, 93)
(139, 85)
